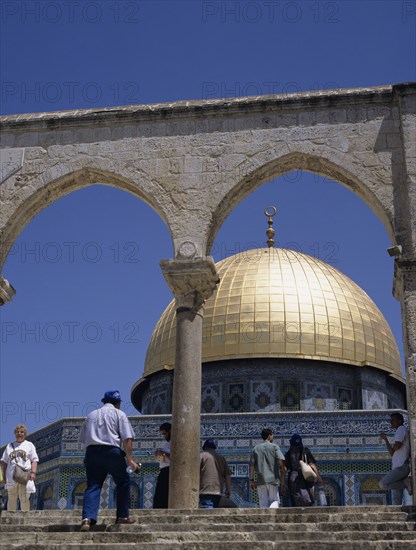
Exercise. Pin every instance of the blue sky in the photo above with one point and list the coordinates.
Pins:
(86, 269)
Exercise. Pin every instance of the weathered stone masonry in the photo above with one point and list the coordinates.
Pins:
(194, 161)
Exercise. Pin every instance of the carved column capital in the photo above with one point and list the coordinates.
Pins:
(191, 281)
(6, 291)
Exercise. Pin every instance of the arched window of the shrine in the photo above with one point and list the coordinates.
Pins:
(370, 492)
(332, 492)
(45, 501)
(77, 497)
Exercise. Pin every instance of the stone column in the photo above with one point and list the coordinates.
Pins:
(6, 291)
(192, 282)
(404, 192)
(405, 290)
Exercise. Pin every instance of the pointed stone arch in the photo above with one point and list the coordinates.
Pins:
(59, 187)
(258, 170)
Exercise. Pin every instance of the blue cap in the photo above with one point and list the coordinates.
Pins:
(209, 444)
(111, 395)
(296, 440)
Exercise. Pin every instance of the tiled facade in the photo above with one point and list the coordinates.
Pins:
(346, 444)
(273, 385)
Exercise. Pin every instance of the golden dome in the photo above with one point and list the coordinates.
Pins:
(277, 303)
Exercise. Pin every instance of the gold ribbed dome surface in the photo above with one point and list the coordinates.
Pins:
(278, 303)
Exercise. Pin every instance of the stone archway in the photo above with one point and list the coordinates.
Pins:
(192, 161)
(30, 204)
(254, 174)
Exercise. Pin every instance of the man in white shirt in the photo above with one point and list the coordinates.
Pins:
(107, 435)
(398, 479)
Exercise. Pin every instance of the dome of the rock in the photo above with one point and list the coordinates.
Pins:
(280, 308)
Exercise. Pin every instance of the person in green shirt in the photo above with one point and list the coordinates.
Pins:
(267, 465)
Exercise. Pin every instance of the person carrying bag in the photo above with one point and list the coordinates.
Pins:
(20, 475)
(303, 473)
(308, 473)
(19, 464)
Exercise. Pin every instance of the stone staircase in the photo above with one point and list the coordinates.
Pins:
(352, 528)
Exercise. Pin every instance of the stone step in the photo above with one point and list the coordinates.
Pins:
(280, 516)
(215, 545)
(223, 511)
(359, 528)
(234, 512)
(195, 536)
(209, 526)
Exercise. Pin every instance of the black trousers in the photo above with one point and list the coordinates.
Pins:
(161, 498)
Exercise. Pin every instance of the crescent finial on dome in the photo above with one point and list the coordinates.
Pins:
(270, 212)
